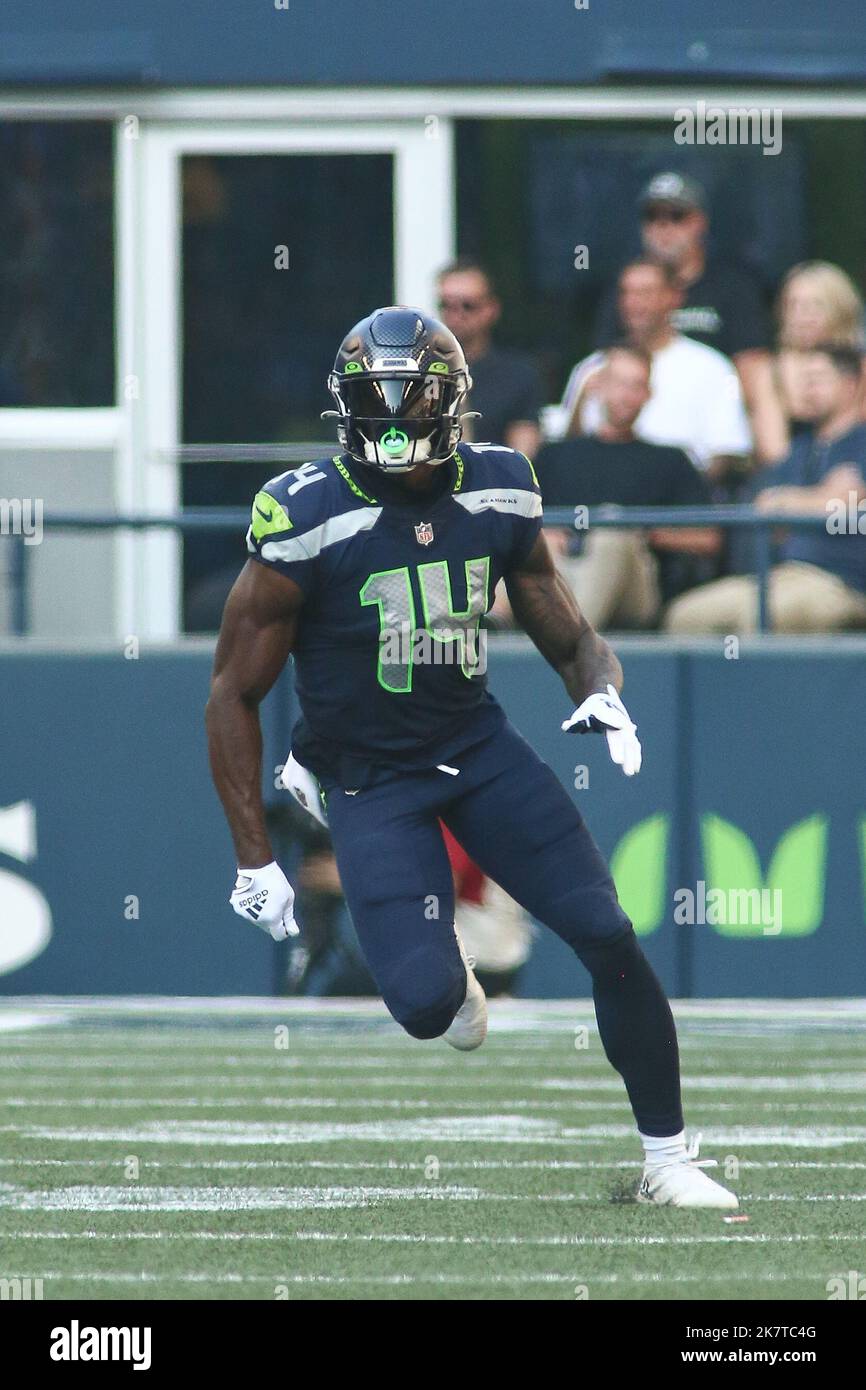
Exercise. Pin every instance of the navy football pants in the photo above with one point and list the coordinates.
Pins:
(511, 814)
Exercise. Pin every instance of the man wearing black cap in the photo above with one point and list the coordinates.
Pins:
(722, 304)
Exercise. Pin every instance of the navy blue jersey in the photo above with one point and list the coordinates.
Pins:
(389, 665)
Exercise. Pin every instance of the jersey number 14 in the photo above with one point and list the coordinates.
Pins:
(444, 636)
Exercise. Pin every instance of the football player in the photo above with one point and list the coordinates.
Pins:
(373, 570)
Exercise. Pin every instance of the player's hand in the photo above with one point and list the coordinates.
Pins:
(304, 788)
(266, 897)
(606, 714)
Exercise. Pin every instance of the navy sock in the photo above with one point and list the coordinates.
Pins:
(637, 1031)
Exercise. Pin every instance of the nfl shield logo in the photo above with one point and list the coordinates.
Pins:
(423, 533)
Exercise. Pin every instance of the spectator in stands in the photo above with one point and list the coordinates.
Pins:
(819, 581)
(817, 303)
(614, 573)
(506, 387)
(695, 401)
(722, 305)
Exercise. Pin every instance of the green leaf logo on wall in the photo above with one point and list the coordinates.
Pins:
(639, 868)
(730, 862)
(797, 870)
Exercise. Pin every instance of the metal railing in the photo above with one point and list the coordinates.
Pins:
(224, 519)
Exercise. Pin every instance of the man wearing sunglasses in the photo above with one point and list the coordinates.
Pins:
(722, 305)
(505, 384)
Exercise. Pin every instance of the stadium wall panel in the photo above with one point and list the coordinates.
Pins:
(407, 43)
(115, 862)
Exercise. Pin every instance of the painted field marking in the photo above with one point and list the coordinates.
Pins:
(570, 1242)
(93, 1198)
(392, 1165)
(501, 1128)
(394, 1238)
(837, 1082)
(383, 1280)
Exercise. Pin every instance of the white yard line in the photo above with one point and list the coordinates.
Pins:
(399, 1280)
(15, 1020)
(539, 1165)
(249, 1039)
(511, 1016)
(476, 1106)
(836, 1082)
(502, 1128)
(801, 1081)
(736, 1238)
(136, 1198)
(550, 1242)
(638, 1277)
(267, 1063)
(92, 1198)
(804, 1197)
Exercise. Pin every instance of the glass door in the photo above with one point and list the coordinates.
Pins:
(260, 248)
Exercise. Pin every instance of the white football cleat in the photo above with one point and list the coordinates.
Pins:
(468, 1028)
(683, 1183)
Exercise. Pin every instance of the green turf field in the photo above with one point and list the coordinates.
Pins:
(246, 1149)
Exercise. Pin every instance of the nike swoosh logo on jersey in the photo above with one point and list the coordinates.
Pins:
(267, 516)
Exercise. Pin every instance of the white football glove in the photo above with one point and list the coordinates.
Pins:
(304, 788)
(608, 715)
(266, 897)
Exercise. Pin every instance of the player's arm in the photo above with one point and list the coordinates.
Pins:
(548, 612)
(256, 638)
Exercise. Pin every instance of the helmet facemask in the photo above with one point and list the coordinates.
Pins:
(394, 416)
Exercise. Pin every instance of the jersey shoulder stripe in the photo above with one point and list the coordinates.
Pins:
(514, 501)
(295, 515)
(313, 542)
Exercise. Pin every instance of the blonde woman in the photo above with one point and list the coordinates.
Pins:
(818, 303)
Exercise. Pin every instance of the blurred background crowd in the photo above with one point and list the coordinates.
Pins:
(701, 383)
(647, 337)
(695, 392)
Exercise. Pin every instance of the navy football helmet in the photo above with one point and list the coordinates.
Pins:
(399, 380)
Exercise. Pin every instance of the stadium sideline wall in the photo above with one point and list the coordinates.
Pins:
(154, 43)
(115, 862)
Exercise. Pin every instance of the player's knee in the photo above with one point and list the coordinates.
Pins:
(425, 992)
(588, 915)
(609, 960)
(429, 1023)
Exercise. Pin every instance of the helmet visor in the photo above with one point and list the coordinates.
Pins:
(396, 398)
